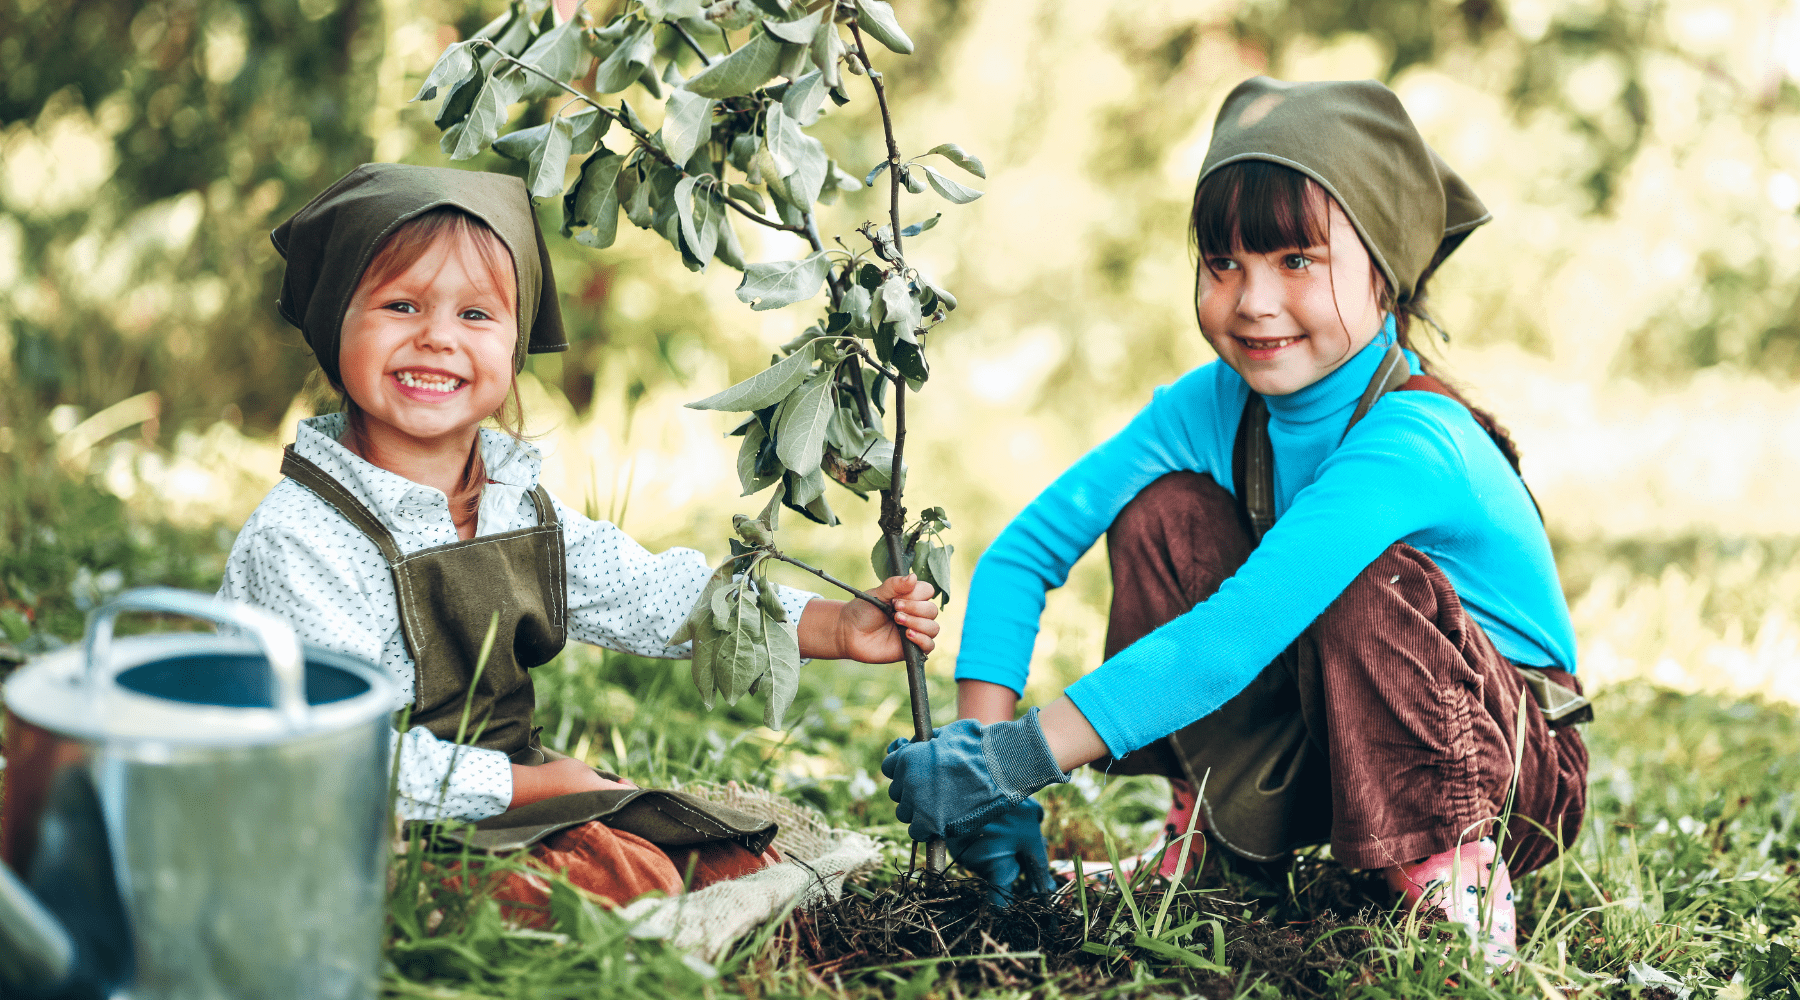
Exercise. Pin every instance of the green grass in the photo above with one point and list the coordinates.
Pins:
(1687, 863)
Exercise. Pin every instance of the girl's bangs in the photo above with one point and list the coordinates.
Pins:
(416, 236)
(1255, 206)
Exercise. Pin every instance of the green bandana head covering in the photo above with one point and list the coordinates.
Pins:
(330, 243)
(1355, 139)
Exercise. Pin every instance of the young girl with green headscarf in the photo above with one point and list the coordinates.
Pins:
(405, 532)
(1336, 617)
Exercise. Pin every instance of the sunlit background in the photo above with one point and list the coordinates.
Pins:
(1632, 313)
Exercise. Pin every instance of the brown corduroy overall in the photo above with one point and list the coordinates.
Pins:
(617, 844)
(1386, 728)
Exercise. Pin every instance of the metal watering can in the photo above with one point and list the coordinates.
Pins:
(194, 815)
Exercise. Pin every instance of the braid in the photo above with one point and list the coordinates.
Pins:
(1414, 308)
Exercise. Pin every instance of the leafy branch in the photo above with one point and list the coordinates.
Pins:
(733, 142)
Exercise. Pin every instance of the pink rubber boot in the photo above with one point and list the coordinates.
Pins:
(1180, 812)
(1471, 886)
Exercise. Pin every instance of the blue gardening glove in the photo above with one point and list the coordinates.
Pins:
(953, 784)
(1010, 844)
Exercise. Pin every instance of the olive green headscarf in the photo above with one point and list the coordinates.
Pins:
(1356, 140)
(330, 243)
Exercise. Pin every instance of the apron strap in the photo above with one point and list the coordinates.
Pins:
(331, 491)
(1253, 469)
(1393, 373)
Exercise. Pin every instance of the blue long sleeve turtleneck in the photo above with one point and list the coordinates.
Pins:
(1417, 469)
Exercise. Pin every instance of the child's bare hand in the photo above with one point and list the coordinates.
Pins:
(558, 777)
(864, 633)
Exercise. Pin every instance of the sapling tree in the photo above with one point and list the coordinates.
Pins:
(740, 82)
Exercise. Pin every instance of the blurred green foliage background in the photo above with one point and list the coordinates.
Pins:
(1633, 312)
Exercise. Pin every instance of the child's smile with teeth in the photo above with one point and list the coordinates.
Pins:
(427, 353)
(414, 378)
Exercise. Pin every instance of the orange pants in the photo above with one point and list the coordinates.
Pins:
(618, 867)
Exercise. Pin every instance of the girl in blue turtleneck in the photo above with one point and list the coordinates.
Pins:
(1331, 587)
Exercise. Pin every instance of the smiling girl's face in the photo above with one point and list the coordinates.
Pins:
(427, 349)
(1287, 317)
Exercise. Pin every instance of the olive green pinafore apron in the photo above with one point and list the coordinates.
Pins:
(448, 597)
(1263, 775)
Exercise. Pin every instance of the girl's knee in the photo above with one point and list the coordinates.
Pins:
(1170, 509)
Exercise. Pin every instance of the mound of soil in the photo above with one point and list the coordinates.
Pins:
(1294, 927)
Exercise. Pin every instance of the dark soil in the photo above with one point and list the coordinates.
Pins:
(1303, 936)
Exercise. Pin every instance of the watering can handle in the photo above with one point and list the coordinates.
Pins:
(273, 634)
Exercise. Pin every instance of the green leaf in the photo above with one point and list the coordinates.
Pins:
(781, 283)
(910, 362)
(961, 157)
(948, 188)
(793, 62)
(883, 566)
(911, 179)
(748, 453)
(767, 388)
(919, 227)
(688, 124)
(557, 54)
(798, 32)
(634, 198)
(856, 306)
(826, 49)
(701, 614)
(459, 100)
(684, 210)
(523, 144)
(783, 644)
(487, 116)
(703, 666)
(709, 214)
(594, 201)
(799, 158)
(590, 126)
(627, 62)
(938, 290)
(721, 603)
(877, 18)
(802, 420)
(805, 98)
(869, 181)
(899, 307)
(549, 163)
(741, 72)
(771, 512)
(837, 179)
(453, 66)
(730, 252)
(770, 602)
(803, 490)
(749, 196)
(937, 557)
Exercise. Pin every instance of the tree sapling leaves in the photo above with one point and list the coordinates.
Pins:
(943, 296)
(877, 20)
(937, 561)
(452, 67)
(700, 615)
(749, 456)
(801, 424)
(672, 10)
(799, 158)
(919, 227)
(754, 533)
(961, 157)
(771, 512)
(558, 57)
(550, 161)
(686, 207)
(799, 32)
(912, 180)
(805, 98)
(875, 172)
(784, 670)
(594, 201)
(909, 361)
(688, 124)
(948, 188)
(590, 126)
(486, 117)
(826, 49)
(626, 63)
(729, 251)
(897, 306)
(742, 71)
(883, 565)
(767, 388)
(779, 283)
(749, 196)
